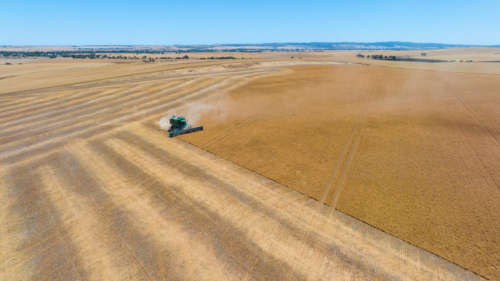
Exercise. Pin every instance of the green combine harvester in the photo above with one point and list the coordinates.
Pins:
(180, 126)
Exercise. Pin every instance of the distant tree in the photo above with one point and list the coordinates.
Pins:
(424, 54)
(185, 57)
(368, 56)
(292, 57)
(8, 63)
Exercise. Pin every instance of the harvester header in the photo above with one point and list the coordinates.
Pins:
(180, 126)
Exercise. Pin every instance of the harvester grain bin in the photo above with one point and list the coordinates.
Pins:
(180, 126)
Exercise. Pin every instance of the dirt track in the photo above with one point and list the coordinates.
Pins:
(92, 189)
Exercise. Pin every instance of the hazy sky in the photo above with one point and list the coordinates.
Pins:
(151, 22)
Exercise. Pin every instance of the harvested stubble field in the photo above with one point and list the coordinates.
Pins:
(91, 188)
(414, 153)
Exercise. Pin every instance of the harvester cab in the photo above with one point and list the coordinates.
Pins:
(180, 126)
(178, 123)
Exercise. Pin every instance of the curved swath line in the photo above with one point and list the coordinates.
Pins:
(94, 127)
(122, 95)
(16, 101)
(15, 117)
(95, 97)
(6, 165)
(88, 121)
(73, 96)
(148, 79)
(54, 100)
(77, 93)
(8, 103)
(69, 111)
(125, 89)
(145, 109)
(32, 114)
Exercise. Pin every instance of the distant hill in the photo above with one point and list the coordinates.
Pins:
(264, 47)
(392, 45)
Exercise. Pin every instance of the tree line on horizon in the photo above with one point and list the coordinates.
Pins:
(376, 57)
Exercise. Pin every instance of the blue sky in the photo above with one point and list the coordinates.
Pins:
(151, 22)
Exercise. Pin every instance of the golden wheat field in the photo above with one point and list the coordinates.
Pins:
(415, 153)
(308, 169)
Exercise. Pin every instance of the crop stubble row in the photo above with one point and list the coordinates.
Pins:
(94, 194)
